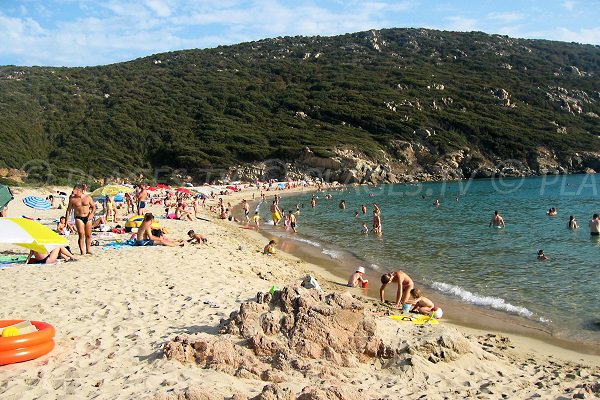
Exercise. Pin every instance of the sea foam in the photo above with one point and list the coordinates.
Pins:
(332, 253)
(489, 301)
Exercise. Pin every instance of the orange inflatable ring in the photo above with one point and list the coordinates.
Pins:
(26, 347)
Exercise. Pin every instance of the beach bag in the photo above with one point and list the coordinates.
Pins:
(311, 283)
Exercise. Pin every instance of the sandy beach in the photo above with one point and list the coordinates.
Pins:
(116, 311)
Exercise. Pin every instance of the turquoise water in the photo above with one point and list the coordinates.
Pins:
(452, 250)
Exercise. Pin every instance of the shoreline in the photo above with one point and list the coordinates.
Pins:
(459, 314)
(115, 311)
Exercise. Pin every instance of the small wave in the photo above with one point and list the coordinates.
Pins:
(376, 267)
(307, 241)
(332, 253)
(493, 302)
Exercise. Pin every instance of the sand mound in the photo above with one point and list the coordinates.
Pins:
(300, 333)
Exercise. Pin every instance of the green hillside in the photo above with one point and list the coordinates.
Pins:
(210, 109)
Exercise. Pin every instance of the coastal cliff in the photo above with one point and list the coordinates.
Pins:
(409, 162)
(376, 106)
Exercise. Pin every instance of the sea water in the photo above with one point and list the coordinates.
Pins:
(451, 248)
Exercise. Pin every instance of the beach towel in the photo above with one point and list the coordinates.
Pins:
(119, 244)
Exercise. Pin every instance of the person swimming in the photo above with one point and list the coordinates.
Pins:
(497, 220)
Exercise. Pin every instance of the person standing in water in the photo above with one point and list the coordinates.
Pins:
(594, 225)
(292, 218)
(572, 223)
(343, 204)
(313, 202)
(377, 228)
(363, 208)
(275, 213)
(246, 210)
(497, 220)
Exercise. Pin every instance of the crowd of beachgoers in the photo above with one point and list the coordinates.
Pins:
(117, 307)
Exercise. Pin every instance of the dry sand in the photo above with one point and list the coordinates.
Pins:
(115, 310)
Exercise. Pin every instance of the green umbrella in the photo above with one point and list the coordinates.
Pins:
(5, 196)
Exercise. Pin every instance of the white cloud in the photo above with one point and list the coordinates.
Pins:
(161, 8)
(569, 4)
(582, 35)
(505, 17)
(462, 24)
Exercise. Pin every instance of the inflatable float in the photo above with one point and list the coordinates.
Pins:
(28, 346)
(136, 221)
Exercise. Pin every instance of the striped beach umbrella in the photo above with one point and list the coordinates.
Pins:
(37, 203)
(30, 234)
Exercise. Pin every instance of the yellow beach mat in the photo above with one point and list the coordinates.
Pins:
(417, 319)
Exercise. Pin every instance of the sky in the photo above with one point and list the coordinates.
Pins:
(89, 32)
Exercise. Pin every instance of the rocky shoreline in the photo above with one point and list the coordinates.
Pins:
(413, 162)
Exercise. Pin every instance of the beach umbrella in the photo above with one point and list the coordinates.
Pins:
(184, 190)
(111, 190)
(30, 234)
(6, 196)
(163, 186)
(37, 203)
(151, 188)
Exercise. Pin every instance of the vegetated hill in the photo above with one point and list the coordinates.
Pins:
(489, 95)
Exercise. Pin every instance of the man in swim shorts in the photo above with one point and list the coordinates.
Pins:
(142, 196)
(292, 219)
(595, 225)
(497, 220)
(145, 237)
(246, 210)
(404, 282)
(84, 208)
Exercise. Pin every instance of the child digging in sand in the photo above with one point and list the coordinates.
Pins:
(357, 278)
(196, 238)
(421, 304)
(270, 248)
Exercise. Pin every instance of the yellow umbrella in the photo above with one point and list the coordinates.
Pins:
(111, 190)
(30, 234)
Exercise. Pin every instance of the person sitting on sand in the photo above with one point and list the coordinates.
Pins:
(421, 304)
(357, 278)
(541, 256)
(196, 238)
(572, 224)
(182, 213)
(270, 248)
(145, 237)
(497, 220)
(404, 282)
(49, 258)
(63, 228)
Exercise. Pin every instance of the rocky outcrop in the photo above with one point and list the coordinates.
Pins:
(297, 333)
(405, 161)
